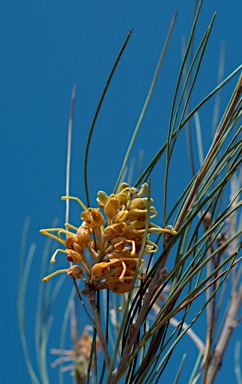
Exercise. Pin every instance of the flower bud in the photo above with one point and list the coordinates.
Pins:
(75, 271)
(70, 241)
(73, 256)
(114, 230)
(143, 190)
(102, 198)
(122, 198)
(92, 217)
(100, 269)
(117, 286)
(123, 186)
(140, 203)
(84, 234)
(136, 214)
(111, 207)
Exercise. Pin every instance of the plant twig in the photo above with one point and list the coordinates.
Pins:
(157, 280)
(90, 296)
(230, 324)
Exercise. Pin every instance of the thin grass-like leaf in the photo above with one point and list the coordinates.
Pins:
(146, 173)
(152, 86)
(96, 116)
(180, 368)
(69, 140)
(189, 44)
(21, 309)
(171, 349)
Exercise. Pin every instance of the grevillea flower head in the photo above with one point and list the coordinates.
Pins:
(105, 248)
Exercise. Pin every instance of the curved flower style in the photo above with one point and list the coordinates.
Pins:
(113, 243)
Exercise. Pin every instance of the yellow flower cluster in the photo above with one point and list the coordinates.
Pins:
(113, 243)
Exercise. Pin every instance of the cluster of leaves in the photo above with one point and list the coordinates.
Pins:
(139, 342)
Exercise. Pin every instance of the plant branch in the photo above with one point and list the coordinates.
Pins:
(90, 296)
(157, 280)
(230, 324)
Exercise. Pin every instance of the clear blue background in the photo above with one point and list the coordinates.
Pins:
(46, 47)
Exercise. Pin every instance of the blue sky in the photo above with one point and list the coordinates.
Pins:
(46, 47)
